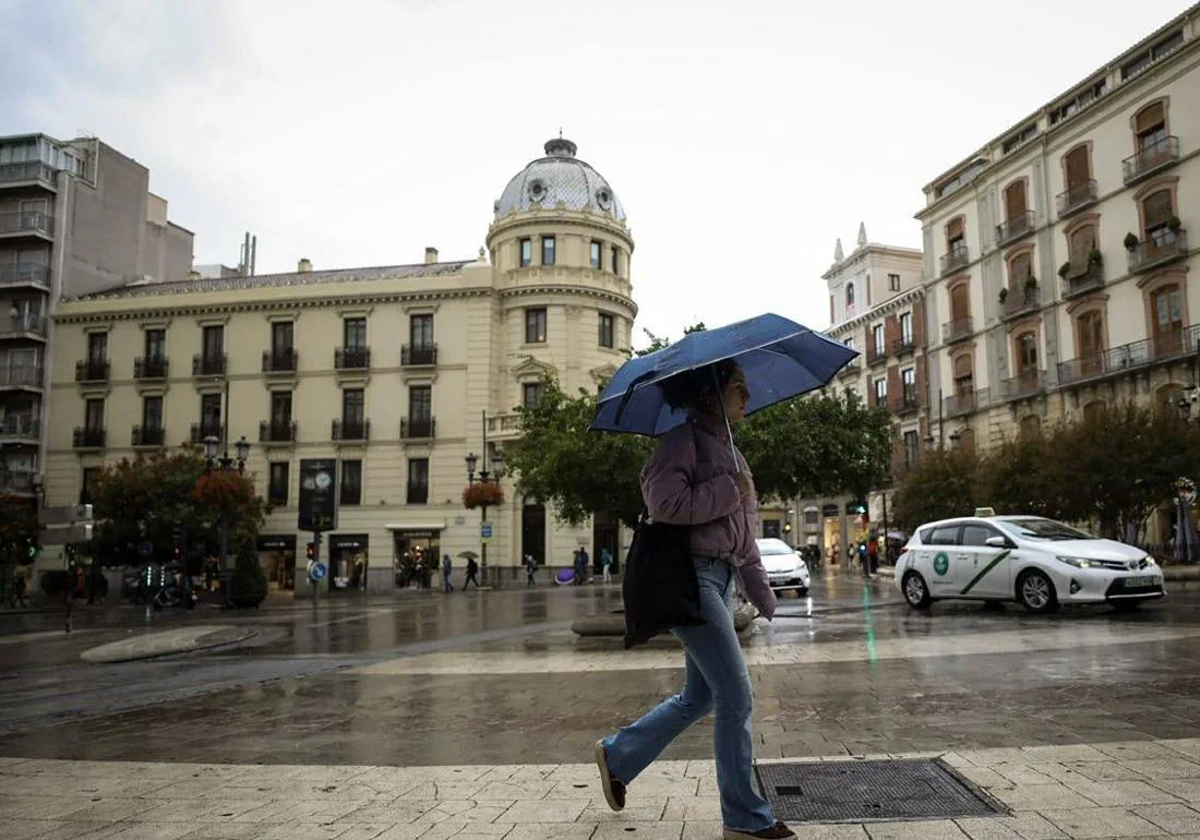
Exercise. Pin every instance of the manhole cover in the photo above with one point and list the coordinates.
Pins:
(865, 791)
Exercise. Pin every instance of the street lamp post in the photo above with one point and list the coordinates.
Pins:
(485, 477)
(224, 463)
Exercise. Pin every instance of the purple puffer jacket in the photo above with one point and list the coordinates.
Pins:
(690, 480)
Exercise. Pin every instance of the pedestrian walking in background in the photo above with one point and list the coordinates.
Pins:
(577, 567)
(606, 564)
(472, 570)
(585, 564)
(447, 568)
(695, 478)
(530, 570)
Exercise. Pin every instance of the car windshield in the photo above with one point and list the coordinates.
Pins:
(1043, 529)
(773, 547)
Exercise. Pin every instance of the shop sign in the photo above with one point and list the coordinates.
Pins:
(354, 542)
(279, 542)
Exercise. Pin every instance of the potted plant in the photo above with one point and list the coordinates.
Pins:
(1003, 295)
(1095, 257)
(1030, 283)
(1173, 223)
(482, 493)
(1064, 270)
(1131, 241)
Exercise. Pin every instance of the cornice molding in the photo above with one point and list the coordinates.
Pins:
(888, 306)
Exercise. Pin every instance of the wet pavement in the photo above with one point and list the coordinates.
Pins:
(499, 678)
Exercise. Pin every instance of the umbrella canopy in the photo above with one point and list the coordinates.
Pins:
(780, 358)
(468, 555)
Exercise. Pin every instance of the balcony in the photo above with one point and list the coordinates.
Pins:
(28, 172)
(201, 431)
(20, 428)
(958, 258)
(1013, 229)
(21, 376)
(147, 436)
(34, 275)
(1161, 154)
(27, 223)
(277, 431)
(506, 426)
(92, 370)
(351, 430)
(905, 345)
(352, 358)
(419, 356)
(876, 355)
(851, 368)
(957, 330)
(25, 326)
(1076, 197)
(89, 438)
(151, 367)
(418, 494)
(16, 483)
(956, 405)
(1131, 357)
(280, 361)
(422, 428)
(1021, 301)
(1087, 277)
(908, 403)
(1024, 384)
(1165, 247)
(208, 364)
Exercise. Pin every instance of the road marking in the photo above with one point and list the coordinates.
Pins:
(986, 569)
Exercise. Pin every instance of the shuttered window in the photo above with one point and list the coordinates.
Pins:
(1079, 169)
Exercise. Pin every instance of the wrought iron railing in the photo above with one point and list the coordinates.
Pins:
(1163, 247)
(1080, 280)
(1023, 384)
(1130, 357)
(351, 430)
(280, 361)
(957, 330)
(1014, 228)
(352, 358)
(418, 428)
(418, 355)
(277, 431)
(151, 367)
(148, 436)
(1076, 197)
(958, 258)
(89, 438)
(1149, 159)
(208, 364)
(1022, 300)
(201, 431)
(92, 370)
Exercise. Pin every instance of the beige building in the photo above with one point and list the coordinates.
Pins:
(1058, 258)
(876, 306)
(397, 372)
(75, 217)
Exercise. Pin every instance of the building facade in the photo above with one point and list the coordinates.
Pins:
(1058, 259)
(397, 372)
(75, 217)
(877, 306)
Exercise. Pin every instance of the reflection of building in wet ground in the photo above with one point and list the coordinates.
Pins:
(398, 372)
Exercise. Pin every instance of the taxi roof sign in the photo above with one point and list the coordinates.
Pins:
(985, 511)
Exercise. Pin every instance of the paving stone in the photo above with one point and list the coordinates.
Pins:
(1165, 768)
(1041, 797)
(638, 831)
(1101, 823)
(549, 811)
(1121, 793)
(1177, 819)
(921, 830)
(544, 831)
(823, 832)
(1021, 774)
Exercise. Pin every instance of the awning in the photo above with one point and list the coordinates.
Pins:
(418, 526)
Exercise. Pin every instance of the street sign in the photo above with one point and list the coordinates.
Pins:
(318, 496)
(77, 533)
(65, 515)
(485, 531)
(317, 571)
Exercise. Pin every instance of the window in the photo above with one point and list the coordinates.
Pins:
(97, 348)
(1079, 167)
(420, 332)
(956, 239)
(282, 338)
(93, 415)
(595, 254)
(880, 386)
(352, 407)
(978, 535)
(281, 409)
(418, 481)
(911, 449)
(152, 413)
(210, 414)
(354, 332)
(1080, 244)
(606, 330)
(420, 403)
(526, 246)
(964, 374)
(945, 535)
(277, 487)
(877, 340)
(213, 342)
(893, 282)
(908, 379)
(88, 484)
(1167, 306)
(351, 487)
(531, 394)
(1027, 354)
(1090, 327)
(156, 344)
(1014, 201)
(547, 250)
(906, 329)
(849, 297)
(849, 342)
(535, 326)
(1151, 127)
(1157, 208)
(616, 260)
(1020, 268)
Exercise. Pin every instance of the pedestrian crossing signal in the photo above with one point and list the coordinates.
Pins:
(308, 551)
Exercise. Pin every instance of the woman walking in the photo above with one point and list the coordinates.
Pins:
(695, 479)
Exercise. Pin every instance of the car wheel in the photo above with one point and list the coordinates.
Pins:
(916, 591)
(1036, 592)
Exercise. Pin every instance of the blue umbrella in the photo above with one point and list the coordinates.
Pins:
(781, 360)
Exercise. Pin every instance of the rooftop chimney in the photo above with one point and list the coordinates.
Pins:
(304, 266)
(430, 256)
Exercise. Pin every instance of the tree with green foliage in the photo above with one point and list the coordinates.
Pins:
(248, 585)
(945, 484)
(18, 530)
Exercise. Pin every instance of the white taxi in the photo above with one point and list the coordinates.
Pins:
(785, 567)
(1037, 562)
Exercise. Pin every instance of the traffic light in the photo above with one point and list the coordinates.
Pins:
(308, 551)
(787, 527)
(31, 549)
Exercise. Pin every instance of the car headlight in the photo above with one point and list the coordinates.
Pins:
(1077, 562)
(1150, 561)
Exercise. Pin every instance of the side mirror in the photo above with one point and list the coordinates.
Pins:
(997, 542)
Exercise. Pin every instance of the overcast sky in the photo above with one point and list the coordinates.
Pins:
(743, 138)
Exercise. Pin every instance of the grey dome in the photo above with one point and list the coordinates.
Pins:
(559, 178)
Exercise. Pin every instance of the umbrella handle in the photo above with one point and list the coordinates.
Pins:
(725, 417)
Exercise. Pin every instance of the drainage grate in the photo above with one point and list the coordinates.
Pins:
(865, 791)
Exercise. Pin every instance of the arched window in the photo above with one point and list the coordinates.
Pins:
(1166, 305)
(849, 296)
(1080, 244)
(1157, 209)
(1020, 268)
(964, 374)
(1014, 201)
(1031, 426)
(1079, 167)
(1089, 329)
(1026, 346)
(1150, 125)
(960, 303)
(956, 239)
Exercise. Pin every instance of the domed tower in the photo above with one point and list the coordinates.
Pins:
(560, 250)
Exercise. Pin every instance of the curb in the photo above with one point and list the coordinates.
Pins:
(166, 643)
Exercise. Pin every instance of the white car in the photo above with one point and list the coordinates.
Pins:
(785, 567)
(1037, 562)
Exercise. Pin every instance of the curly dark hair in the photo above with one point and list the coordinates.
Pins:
(690, 388)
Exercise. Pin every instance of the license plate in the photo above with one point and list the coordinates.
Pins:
(1145, 580)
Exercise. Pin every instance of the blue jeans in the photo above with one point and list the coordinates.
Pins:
(716, 679)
